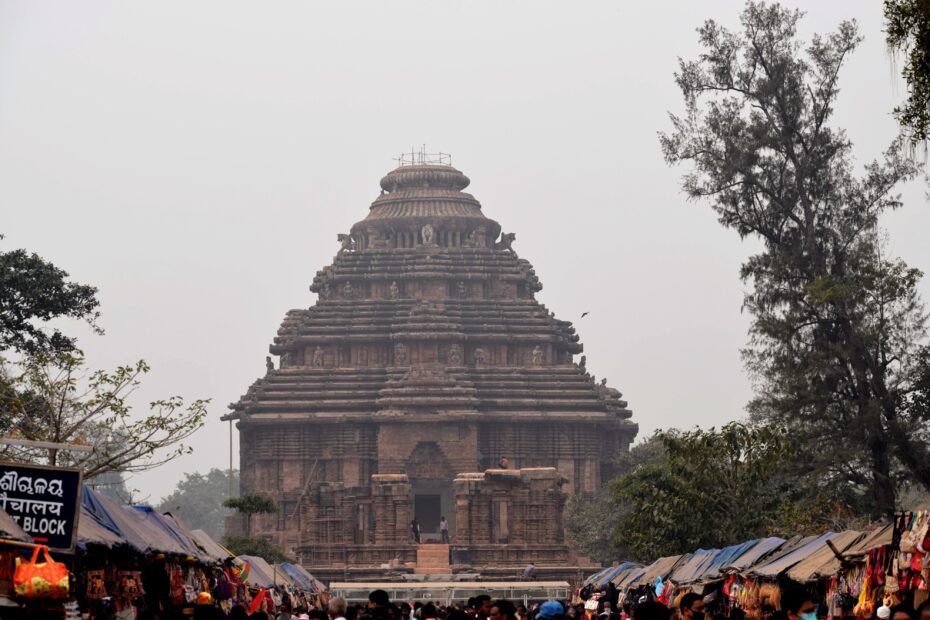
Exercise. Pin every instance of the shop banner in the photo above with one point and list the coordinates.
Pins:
(44, 501)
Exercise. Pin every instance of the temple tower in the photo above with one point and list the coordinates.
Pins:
(424, 361)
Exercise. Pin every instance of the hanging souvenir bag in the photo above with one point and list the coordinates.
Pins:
(96, 584)
(34, 579)
(129, 584)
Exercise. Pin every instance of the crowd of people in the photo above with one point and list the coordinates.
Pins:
(795, 604)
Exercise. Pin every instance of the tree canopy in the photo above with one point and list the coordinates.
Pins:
(710, 488)
(198, 500)
(33, 291)
(251, 503)
(838, 330)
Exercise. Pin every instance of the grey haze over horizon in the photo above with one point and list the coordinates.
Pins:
(195, 161)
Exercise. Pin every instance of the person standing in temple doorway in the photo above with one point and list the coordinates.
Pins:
(504, 463)
(415, 530)
(443, 531)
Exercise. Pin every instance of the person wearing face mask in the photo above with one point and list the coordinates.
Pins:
(798, 604)
(691, 607)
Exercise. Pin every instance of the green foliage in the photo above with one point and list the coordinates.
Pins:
(837, 326)
(33, 292)
(243, 545)
(251, 503)
(907, 31)
(198, 500)
(54, 398)
(715, 488)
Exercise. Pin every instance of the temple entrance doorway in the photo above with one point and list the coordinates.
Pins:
(431, 494)
(427, 509)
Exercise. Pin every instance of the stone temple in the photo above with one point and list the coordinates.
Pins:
(424, 364)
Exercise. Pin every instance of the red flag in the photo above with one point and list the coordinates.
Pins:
(257, 601)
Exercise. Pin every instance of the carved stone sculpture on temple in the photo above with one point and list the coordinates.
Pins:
(269, 365)
(608, 393)
(348, 291)
(506, 241)
(537, 356)
(346, 244)
(393, 291)
(460, 289)
(455, 355)
(400, 354)
(427, 233)
(318, 357)
(481, 358)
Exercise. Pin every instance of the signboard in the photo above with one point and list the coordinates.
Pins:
(44, 501)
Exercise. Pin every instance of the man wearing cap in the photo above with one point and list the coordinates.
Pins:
(551, 610)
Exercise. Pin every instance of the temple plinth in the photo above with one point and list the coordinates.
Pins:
(425, 360)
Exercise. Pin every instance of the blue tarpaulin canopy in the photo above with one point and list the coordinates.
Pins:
(141, 528)
(262, 574)
(691, 570)
(169, 536)
(713, 570)
(93, 533)
(782, 562)
(301, 578)
(112, 516)
(596, 577)
(755, 554)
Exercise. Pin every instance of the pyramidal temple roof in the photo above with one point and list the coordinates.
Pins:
(427, 309)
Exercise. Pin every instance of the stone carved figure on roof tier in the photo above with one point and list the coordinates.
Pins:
(324, 291)
(400, 354)
(607, 393)
(346, 244)
(455, 355)
(348, 291)
(478, 238)
(427, 232)
(537, 356)
(393, 291)
(376, 241)
(460, 289)
(583, 363)
(318, 357)
(269, 365)
(481, 358)
(506, 241)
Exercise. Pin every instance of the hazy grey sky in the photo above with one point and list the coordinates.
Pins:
(195, 161)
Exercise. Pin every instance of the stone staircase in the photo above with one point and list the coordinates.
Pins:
(432, 559)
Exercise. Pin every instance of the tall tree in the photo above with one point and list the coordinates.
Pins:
(837, 326)
(55, 399)
(33, 292)
(198, 500)
(907, 32)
